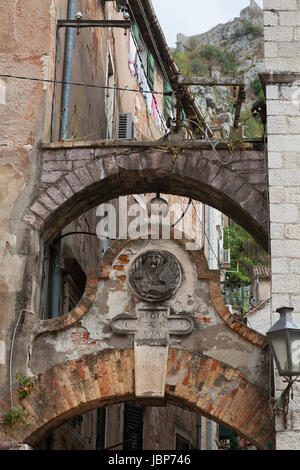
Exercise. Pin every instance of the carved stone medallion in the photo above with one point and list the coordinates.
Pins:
(155, 275)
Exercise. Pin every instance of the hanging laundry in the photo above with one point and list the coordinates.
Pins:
(138, 69)
(154, 106)
(132, 55)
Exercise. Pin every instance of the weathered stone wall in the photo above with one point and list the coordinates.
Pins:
(282, 61)
(27, 48)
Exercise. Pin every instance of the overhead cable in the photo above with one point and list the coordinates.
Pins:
(87, 85)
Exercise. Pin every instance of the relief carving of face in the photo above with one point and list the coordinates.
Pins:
(153, 261)
(154, 275)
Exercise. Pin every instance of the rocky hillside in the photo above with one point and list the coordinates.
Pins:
(232, 49)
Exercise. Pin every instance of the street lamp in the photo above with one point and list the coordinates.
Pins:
(284, 340)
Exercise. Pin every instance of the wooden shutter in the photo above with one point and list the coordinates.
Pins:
(133, 426)
(182, 443)
(101, 425)
(150, 70)
(135, 32)
(167, 101)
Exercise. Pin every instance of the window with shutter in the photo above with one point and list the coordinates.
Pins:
(135, 32)
(167, 101)
(150, 70)
(133, 427)
(101, 426)
(182, 443)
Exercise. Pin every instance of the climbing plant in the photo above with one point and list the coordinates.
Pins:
(245, 253)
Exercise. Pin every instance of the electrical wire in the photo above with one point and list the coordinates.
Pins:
(86, 85)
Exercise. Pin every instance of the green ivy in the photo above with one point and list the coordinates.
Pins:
(15, 417)
(245, 251)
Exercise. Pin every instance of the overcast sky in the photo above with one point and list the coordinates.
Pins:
(191, 17)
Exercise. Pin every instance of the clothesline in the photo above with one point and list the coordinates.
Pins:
(137, 70)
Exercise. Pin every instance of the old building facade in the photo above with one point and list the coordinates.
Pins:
(133, 328)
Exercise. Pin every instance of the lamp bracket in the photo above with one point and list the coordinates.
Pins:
(282, 404)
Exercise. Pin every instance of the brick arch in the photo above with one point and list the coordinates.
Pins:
(73, 180)
(194, 382)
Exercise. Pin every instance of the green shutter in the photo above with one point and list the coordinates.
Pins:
(150, 70)
(135, 32)
(167, 100)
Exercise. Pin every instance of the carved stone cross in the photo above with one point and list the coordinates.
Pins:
(152, 325)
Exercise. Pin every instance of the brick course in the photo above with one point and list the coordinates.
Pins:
(203, 385)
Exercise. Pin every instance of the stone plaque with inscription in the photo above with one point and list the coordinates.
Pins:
(151, 326)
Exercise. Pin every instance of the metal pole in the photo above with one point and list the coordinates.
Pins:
(67, 74)
(199, 428)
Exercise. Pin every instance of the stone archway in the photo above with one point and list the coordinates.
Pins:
(75, 179)
(193, 381)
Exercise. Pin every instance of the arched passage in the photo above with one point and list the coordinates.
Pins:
(73, 180)
(194, 381)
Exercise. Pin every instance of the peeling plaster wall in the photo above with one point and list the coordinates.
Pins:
(27, 42)
(211, 336)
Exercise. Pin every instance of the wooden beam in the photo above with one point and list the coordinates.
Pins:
(211, 81)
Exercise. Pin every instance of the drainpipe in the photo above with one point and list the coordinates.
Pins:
(63, 134)
(67, 73)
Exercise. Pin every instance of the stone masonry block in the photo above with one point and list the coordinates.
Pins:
(280, 266)
(277, 125)
(50, 155)
(84, 176)
(289, 18)
(272, 92)
(271, 49)
(281, 108)
(40, 210)
(47, 202)
(51, 176)
(57, 166)
(282, 64)
(297, 33)
(285, 248)
(293, 232)
(280, 5)
(80, 154)
(295, 268)
(292, 195)
(56, 195)
(278, 33)
(64, 188)
(275, 159)
(287, 283)
(276, 195)
(74, 182)
(288, 49)
(279, 300)
(284, 177)
(284, 143)
(291, 92)
(293, 125)
(271, 18)
(284, 213)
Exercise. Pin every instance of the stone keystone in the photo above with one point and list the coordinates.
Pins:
(152, 325)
